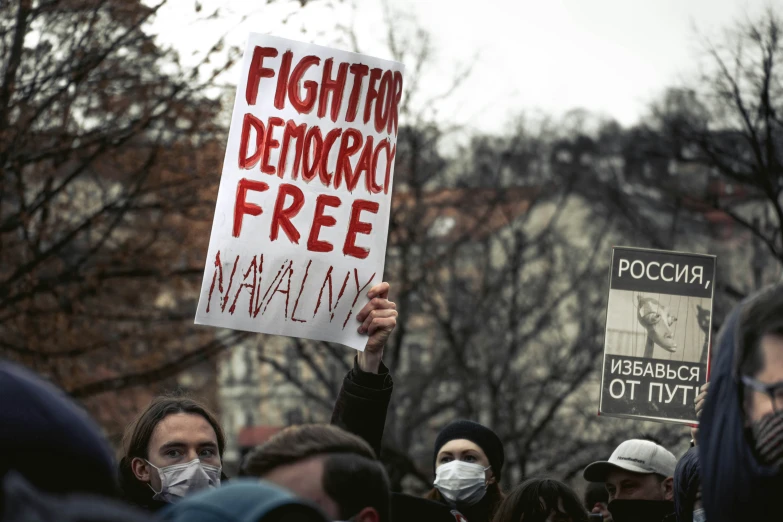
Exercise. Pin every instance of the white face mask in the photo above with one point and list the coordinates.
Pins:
(180, 480)
(462, 482)
(699, 516)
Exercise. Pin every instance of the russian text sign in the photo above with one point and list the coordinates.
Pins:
(657, 341)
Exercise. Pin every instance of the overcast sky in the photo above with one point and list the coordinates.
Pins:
(607, 56)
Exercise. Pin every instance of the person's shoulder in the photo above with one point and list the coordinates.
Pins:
(22, 501)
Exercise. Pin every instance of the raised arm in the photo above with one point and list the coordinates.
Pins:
(364, 397)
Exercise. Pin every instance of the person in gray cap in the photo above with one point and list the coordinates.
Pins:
(639, 477)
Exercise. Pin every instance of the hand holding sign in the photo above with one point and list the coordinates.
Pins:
(700, 398)
(378, 318)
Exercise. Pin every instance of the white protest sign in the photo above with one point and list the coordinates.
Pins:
(302, 213)
(658, 332)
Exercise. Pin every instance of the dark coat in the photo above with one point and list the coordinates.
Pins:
(362, 404)
(23, 502)
(50, 440)
(686, 485)
(735, 486)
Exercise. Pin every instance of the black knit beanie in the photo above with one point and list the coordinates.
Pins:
(483, 437)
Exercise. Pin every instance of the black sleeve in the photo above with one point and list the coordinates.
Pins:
(362, 403)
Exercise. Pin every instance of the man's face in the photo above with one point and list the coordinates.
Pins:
(305, 479)
(178, 439)
(627, 485)
(757, 404)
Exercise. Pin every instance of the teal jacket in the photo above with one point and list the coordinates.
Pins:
(242, 501)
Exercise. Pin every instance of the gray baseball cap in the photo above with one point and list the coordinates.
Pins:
(637, 456)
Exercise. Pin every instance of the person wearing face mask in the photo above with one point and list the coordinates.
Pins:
(468, 459)
(741, 426)
(687, 489)
(173, 449)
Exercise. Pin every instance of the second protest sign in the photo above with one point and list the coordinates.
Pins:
(657, 341)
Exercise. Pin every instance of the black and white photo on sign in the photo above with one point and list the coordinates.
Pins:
(660, 326)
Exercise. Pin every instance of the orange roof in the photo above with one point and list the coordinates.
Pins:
(252, 436)
(475, 213)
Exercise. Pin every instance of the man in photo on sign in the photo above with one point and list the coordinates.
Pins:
(639, 477)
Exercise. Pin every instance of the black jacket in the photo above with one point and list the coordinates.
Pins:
(49, 439)
(686, 485)
(735, 486)
(362, 404)
(361, 409)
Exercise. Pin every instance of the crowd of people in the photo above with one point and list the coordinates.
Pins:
(56, 465)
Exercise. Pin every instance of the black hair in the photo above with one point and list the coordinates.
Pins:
(761, 316)
(355, 482)
(535, 499)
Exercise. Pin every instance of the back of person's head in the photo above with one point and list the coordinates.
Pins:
(355, 483)
(48, 439)
(328, 465)
(297, 443)
(196, 426)
(243, 501)
(537, 499)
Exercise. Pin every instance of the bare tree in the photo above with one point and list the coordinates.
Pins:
(742, 139)
(498, 268)
(108, 155)
(712, 155)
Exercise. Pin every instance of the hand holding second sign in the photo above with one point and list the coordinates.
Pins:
(699, 404)
(378, 318)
